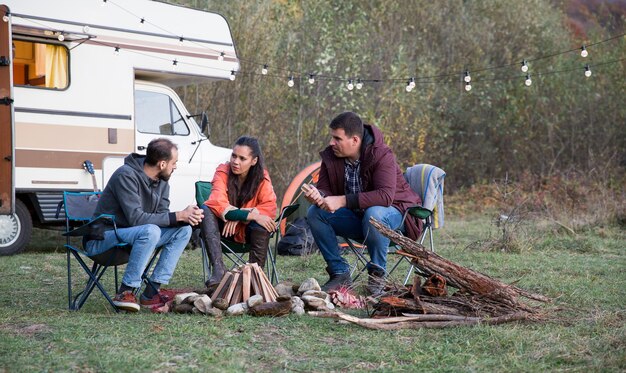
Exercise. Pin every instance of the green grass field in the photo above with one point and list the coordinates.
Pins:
(586, 275)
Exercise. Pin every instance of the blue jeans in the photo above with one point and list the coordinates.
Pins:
(144, 240)
(326, 226)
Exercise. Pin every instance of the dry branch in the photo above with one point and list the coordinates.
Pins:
(468, 281)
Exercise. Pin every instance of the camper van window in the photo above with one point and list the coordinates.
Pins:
(156, 113)
(41, 65)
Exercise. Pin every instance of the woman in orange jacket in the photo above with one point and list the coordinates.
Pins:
(241, 207)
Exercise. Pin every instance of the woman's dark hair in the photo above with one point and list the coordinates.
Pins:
(240, 194)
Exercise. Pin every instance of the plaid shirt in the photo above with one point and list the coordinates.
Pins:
(353, 177)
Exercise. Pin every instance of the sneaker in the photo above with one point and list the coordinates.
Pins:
(158, 300)
(126, 301)
(336, 281)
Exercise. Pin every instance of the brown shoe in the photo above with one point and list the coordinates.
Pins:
(158, 300)
(126, 301)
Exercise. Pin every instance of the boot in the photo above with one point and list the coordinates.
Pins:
(337, 281)
(375, 281)
(258, 240)
(211, 236)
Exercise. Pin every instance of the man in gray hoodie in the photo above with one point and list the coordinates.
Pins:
(138, 196)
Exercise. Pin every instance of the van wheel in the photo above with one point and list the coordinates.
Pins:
(15, 230)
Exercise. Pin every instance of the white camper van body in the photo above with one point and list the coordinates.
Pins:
(116, 96)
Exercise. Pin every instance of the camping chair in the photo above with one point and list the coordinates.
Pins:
(234, 250)
(428, 182)
(79, 208)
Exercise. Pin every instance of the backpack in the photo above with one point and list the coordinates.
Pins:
(298, 240)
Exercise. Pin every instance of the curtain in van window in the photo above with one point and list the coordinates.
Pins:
(56, 66)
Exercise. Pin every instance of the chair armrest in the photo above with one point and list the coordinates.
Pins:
(86, 228)
(420, 212)
(287, 211)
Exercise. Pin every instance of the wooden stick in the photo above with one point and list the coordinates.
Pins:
(222, 285)
(246, 283)
(231, 288)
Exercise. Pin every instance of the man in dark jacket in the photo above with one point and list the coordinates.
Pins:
(138, 195)
(359, 178)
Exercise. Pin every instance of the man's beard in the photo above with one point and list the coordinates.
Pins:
(163, 176)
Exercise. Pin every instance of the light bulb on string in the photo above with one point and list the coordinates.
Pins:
(412, 82)
(468, 86)
(408, 87)
(174, 64)
(524, 66)
(221, 56)
(528, 81)
(264, 70)
(181, 40)
(583, 52)
(350, 85)
(290, 83)
(311, 78)
(467, 78)
(232, 75)
(5, 17)
(116, 51)
(142, 21)
(587, 71)
(359, 84)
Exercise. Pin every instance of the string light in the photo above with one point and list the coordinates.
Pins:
(587, 71)
(350, 85)
(467, 77)
(583, 52)
(264, 70)
(221, 56)
(412, 82)
(468, 86)
(359, 84)
(5, 17)
(232, 75)
(142, 21)
(174, 64)
(117, 51)
(290, 83)
(528, 81)
(311, 78)
(524, 66)
(180, 40)
(408, 86)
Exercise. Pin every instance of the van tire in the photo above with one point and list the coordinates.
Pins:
(15, 230)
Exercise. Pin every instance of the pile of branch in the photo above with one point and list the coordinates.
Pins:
(239, 284)
(479, 299)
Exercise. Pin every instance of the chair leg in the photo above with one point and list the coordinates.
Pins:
(96, 282)
(69, 281)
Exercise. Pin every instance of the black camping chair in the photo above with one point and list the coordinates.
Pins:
(234, 250)
(79, 208)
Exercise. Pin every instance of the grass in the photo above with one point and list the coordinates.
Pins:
(585, 275)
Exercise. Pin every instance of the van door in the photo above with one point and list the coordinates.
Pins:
(7, 204)
(159, 113)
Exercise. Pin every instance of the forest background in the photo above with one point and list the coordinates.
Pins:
(565, 133)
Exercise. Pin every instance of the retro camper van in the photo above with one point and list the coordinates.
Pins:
(85, 82)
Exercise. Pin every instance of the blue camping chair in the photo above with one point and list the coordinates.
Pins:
(233, 250)
(79, 208)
